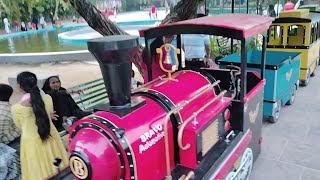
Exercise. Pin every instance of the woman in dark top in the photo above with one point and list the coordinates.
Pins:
(63, 103)
(271, 12)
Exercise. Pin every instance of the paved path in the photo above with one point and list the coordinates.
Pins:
(291, 147)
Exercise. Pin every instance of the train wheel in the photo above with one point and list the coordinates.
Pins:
(293, 96)
(244, 171)
(306, 82)
(314, 72)
(230, 176)
(275, 117)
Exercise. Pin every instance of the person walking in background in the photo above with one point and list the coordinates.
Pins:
(16, 25)
(6, 25)
(29, 25)
(42, 22)
(40, 140)
(271, 12)
(288, 6)
(154, 11)
(53, 22)
(35, 23)
(298, 4)
(278, 8)
(9, 133)
(23, 26)
(166, 4)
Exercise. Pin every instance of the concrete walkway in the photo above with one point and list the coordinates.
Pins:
(291, 147)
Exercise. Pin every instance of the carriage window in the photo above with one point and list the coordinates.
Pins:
(296, 35)
(317, 31)
(313, 33)
(318, 26)
(275, 35)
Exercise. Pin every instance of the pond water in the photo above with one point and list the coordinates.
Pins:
(38, 42)
(48, 40)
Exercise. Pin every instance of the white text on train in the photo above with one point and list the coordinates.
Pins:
(151, 137)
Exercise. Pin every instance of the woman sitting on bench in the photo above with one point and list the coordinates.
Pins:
(63, 103)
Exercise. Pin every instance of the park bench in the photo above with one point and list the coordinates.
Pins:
(94, 93)
(224, 48)
(224, 45)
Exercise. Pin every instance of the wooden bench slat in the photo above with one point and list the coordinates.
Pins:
(86, 94)
(95, 102)
(87, 83)
(87, 98)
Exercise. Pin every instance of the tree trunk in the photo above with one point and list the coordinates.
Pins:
(55, 16)
(185, 9)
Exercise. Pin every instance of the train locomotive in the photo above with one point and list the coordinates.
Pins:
(189, 124)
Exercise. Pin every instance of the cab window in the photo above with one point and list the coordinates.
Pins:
(313, 33)
(296, 35)
(275, 35)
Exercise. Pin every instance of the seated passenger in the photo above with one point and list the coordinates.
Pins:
(63, 103)
(9, 133)
(288, 6)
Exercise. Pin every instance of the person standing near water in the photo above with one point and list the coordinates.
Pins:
(42, 22)
(6, 25)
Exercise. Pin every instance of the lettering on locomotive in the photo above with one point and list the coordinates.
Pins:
(151, 137)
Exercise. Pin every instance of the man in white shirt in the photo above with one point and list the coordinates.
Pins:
(278, 8)
(196, 48)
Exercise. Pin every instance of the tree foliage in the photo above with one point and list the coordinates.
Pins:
(24, 9)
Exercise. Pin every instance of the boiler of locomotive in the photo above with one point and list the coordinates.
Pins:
(124, 138)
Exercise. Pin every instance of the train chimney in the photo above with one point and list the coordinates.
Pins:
(114, 55)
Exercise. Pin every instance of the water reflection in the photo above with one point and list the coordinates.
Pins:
(39, 42)
(11, 45)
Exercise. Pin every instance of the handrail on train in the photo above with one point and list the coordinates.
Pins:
(167, 118)
(180, 133)
(150, 82)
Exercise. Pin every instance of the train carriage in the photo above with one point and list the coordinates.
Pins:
(189, 124)
(298, 31)
(311, 7)
(282, 78)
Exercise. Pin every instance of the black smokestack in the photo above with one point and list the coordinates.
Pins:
(115, 54)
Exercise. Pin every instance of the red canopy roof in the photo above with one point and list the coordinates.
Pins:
(249, 24)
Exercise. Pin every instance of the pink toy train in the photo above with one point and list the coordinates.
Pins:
(200, 124)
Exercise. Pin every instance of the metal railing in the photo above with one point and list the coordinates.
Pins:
(175, 110)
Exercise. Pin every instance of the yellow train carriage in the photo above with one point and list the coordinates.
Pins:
(298, 31)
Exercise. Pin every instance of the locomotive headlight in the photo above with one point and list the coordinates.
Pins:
(226, 116)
